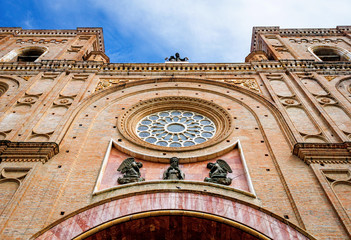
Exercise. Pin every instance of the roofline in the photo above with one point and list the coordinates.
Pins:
(18, 31)
(339, 30)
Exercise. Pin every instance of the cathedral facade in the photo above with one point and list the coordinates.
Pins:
(177, 150)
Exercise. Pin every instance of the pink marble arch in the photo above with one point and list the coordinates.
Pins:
(91, 218)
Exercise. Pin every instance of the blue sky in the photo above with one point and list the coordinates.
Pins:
(150, 30)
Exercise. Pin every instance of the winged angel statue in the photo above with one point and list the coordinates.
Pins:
(130, 169)
(218, 172)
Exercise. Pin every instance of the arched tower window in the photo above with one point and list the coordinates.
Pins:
(30, 55)
(330, 54)
(26, 54)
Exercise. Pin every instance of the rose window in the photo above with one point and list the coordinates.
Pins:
(175, 128)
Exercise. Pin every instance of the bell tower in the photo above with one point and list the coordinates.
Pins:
(328, 45)
(19, 45)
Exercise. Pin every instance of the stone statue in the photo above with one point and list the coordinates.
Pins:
(173, 172)
(218, 172)
(176, 58)
(130, 169)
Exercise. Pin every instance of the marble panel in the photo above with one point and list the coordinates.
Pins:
(235, 211)
(193, 171)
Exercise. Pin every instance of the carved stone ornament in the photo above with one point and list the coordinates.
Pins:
(246, 83)
(129, 120)
(329, 78)
(326, 153)
(27, 151)
(130, 168)
(218, 172)
(173, 172)
(106, 83)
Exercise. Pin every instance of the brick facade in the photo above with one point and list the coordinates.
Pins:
(68, 120)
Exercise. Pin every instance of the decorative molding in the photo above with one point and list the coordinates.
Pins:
(11, 179)
(329, 78)
(344, 87)
(248, 83)
(326, 153)
(56, 66)
(41, 41)
(75, 48)
(220, 117)
(298, 32)
(327, 100)
(26, 77)
(106, 83)
(316, 40)
(331, 178)
(19, 32)
(91, 56)
(294, 106)
(27, 151)
(28, 99)
(197, 204)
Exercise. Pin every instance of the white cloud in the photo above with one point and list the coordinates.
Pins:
(213, 31)
(28, 24)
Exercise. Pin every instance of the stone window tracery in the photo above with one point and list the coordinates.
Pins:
(160, 127)
(175, 128)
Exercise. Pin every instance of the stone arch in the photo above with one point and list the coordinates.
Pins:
(161, 225)
(3, 88)
(25, 54)
(102, 108)
(250, 219)
(274, 135)
(9, 85)
(344, 87)
(8, 188)
(259, 98)
(330, 53)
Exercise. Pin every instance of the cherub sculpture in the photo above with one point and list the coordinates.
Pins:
(218, 172)
(130, 169)
(173, 172)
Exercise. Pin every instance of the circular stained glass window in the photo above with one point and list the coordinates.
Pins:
(175, 128)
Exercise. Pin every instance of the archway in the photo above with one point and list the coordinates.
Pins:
(330, 53)
(25, 54)
(172, 225)
(249, 220)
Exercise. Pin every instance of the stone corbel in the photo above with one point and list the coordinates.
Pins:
(326, 153)
(27, 151)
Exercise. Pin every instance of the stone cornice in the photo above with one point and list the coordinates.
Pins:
(323, 153)
(338, 68)
(338, 31)
(19, 32)
(27, 151)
